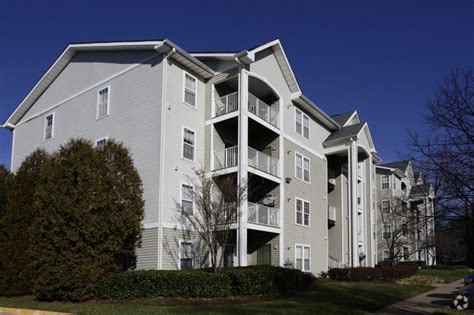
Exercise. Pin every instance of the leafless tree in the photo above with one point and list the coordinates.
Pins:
(213, 213)
(445, 154)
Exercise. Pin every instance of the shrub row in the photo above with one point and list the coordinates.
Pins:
(370, 274)
(255, 280)
(416, 263)
(447, 267)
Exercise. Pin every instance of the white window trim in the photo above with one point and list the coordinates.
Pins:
(303, 115)
(296, 213)
(381, 182)
(52, 127)
(181, 194)
(302, 168)
(193, 260)
(195, 92)
(302, 263)
(182, 144)
(389, 207)
(108, 102)
(106, 138)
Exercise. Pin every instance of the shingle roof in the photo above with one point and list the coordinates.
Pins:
(345, 132)
(401, 165)
(342, 118)
(423, 190)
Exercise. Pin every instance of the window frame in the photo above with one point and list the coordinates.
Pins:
(302, 168)
(193, 260)
(303, 201)
(382, 182)
(183, 143)
(182, 184)
(303, 115)
(382, 207)
(45, 125)
(98, 102)
(383, 231)
(106, 139)
(185, 73)
(303, 246)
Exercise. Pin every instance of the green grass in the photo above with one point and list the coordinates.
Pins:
(446, 275)
(326, 297)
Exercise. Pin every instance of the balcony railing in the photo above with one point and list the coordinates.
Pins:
(263, 110)
(335, 263)
(226, 158)
(332, 213)
(264, 162)
(226, 104)
(260, 214)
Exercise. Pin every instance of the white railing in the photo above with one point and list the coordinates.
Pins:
(264, 162)
(226, 104)
(260, 214)
(332, 213)
(263, 110)
(335, 263)
(226, 158)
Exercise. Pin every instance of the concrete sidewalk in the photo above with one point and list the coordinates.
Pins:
(428, 302)
(19, 311)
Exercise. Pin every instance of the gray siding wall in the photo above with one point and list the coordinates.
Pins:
(147, 253)
(135, 109)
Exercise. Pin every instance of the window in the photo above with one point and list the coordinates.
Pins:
(103, 103)
(100, 143)
(188, 144)
(49, 126)
(187, 204)
(302, 167)
(387, 232)
(386, 207)
(186, 255)
(189, 89)
(302, 212)
(385, 182)
(386, 254)
(302, 257)
(301, 123)
(404, 229)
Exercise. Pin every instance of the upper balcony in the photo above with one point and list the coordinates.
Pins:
(230, 103)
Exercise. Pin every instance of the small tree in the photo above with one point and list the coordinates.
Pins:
(217, 204)
(89, 209)
(16, 233)
(5, 181)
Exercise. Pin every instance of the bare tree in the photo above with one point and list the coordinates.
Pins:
(445, 154)
(211, 214)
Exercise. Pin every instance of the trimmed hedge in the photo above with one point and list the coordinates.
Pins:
(416, 263)
(447, 267)
(253, 280)
(370, 274)
(167, 283)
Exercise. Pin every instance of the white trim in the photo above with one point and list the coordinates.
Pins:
(264, 228)
(304, 146)
(303, 115)
(302, 168)
(195, 87)
(181, 194)
(303, 201)
(389, 206)
(45, 125)
(13, 150)
(106, 138)
(222, 118)
(194, 144)
(108, 102)
(116, 75)
(179, 253)
(302, 256)
(350, 118)
(151, 225)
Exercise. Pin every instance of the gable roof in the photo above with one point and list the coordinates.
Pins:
(420, 190)
(401, 165)
(343, 119)
(344, 133)
(65, 57)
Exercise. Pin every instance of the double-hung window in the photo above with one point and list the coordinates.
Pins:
(301, 123)
(186, 255)
(386, 206)
(48, 126)
(302, 167)
(188, 144)
(187, 204)
(189, 89)
(387, 232)
(385, 182)
(103, 103)
(302, 212)
(302, 257)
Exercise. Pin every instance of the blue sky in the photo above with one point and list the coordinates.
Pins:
(383, 58)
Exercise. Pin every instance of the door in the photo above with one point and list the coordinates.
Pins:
(264, 255)
(229, 256)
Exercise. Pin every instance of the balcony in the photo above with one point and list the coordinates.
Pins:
(263, 110)
(263, 215)
(331, 216)
(256, 159)
(226, 104)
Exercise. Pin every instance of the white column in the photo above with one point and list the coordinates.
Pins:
(243, 163)
(353, 207)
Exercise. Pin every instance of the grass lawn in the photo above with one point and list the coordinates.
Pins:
(326, 297)
(446, 275)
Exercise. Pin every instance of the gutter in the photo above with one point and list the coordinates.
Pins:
(300, 99)
(8, 126)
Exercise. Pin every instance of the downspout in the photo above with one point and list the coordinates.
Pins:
(162, 157)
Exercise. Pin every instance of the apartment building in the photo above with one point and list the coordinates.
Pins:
(310, 201)
(406, 229)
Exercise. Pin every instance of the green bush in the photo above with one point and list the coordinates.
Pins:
(370, 274)
(167, 283)
(416, 263)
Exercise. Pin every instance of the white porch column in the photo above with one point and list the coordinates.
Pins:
(353, 206)
(243, 163)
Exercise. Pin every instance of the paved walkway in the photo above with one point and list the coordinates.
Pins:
(426, 303)
(19, 311)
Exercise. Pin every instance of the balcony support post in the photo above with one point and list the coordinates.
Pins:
(354, 244)
(243, 164)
